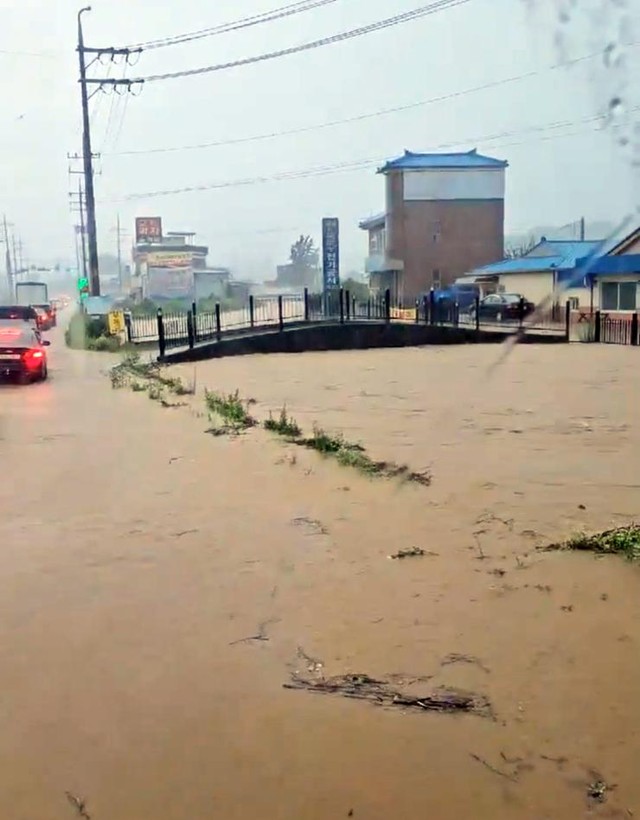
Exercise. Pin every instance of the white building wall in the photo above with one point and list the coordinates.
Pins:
(449, 184)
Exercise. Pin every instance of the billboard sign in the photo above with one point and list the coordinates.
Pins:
(330, 253)
(148, 229)
(169, 259)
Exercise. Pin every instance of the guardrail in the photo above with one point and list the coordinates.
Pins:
(261, 314)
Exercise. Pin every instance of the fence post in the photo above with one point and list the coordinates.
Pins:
(456, 314)
(161, 340)
(127, 327)
(369, 308)
(567, 320)
(634, 328)
(432, 307)
(341, 299)
(190, 333)
(306, 304)
(521, 311)
(597, 331)
(280, 313)
(417, 311)
(218, 323)
(477, 313)
(387, 305)
(425, 308)
(252, 315)
(347, 304)
(194, 310)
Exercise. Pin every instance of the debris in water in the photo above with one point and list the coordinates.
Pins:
(414, 552)
(454, 657)
(79, 804)
(491, 768)
(379, 692)
(597, 791)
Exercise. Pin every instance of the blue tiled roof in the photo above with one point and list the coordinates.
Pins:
(548, 255)
(524, 264)
(469, 159)
(570, 249)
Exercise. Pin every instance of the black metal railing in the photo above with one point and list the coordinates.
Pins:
(193, 327)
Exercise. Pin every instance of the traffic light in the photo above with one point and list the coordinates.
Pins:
(83, 287)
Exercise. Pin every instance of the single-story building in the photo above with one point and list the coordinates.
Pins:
(614, 275)
(547, 267)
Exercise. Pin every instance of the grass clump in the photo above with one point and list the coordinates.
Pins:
(284, 425)
(349, 454)
(623, 541)
(231, 409)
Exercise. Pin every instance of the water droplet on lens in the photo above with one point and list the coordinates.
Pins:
(616, 108)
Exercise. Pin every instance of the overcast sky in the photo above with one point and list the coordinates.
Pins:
(558, 172)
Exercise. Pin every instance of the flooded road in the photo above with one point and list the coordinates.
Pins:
(140, 554)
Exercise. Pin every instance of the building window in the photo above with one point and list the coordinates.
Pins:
(435, 278)
(618, 295)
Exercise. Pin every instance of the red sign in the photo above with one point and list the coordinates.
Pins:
(149, 229)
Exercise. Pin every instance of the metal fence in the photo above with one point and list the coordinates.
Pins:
(606, 329)
(189, 328)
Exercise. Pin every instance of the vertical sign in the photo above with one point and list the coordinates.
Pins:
(330, 254)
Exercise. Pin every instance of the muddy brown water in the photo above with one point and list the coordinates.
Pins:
(138, 553)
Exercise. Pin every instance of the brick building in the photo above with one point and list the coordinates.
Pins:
(444, 216)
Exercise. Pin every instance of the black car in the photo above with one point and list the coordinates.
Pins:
(504, 307)
(23, 353)
(19, 313)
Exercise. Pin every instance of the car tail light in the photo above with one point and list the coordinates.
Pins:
(33, 358)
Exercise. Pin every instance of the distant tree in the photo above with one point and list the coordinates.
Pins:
(304, 259)
(515, 250)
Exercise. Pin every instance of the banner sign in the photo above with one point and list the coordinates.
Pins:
(166, 284)
(330, 253)
(167, 259)
(148, 229)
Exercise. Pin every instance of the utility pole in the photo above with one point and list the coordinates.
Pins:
(119, 255)
(82, 236)
(92, 233)
(8, 258)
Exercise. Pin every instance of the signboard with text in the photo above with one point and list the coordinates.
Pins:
(330, 253)
(148, 229)
(169, 259)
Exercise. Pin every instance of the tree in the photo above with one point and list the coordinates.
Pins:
(304, 254)
(516, 250)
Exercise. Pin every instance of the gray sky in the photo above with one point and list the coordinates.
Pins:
(557, 173)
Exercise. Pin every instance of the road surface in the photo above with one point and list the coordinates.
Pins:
(159, 586)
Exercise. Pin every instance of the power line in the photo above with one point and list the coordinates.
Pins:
(379, 25)
(237, 25)
(356, 165)
(366, 116)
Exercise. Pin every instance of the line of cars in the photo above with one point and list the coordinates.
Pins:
(23, 351)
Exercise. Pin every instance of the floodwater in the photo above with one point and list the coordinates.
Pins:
(139, 553)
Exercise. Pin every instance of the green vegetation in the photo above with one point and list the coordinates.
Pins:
(353, 455)
(284, 425)
(148, 376)
(84, 333)
(231, 409)
(620, 541)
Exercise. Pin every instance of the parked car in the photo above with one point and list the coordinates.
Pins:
(23, 354)
(503, 307)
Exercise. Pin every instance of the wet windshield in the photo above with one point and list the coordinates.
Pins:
(321, 485)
